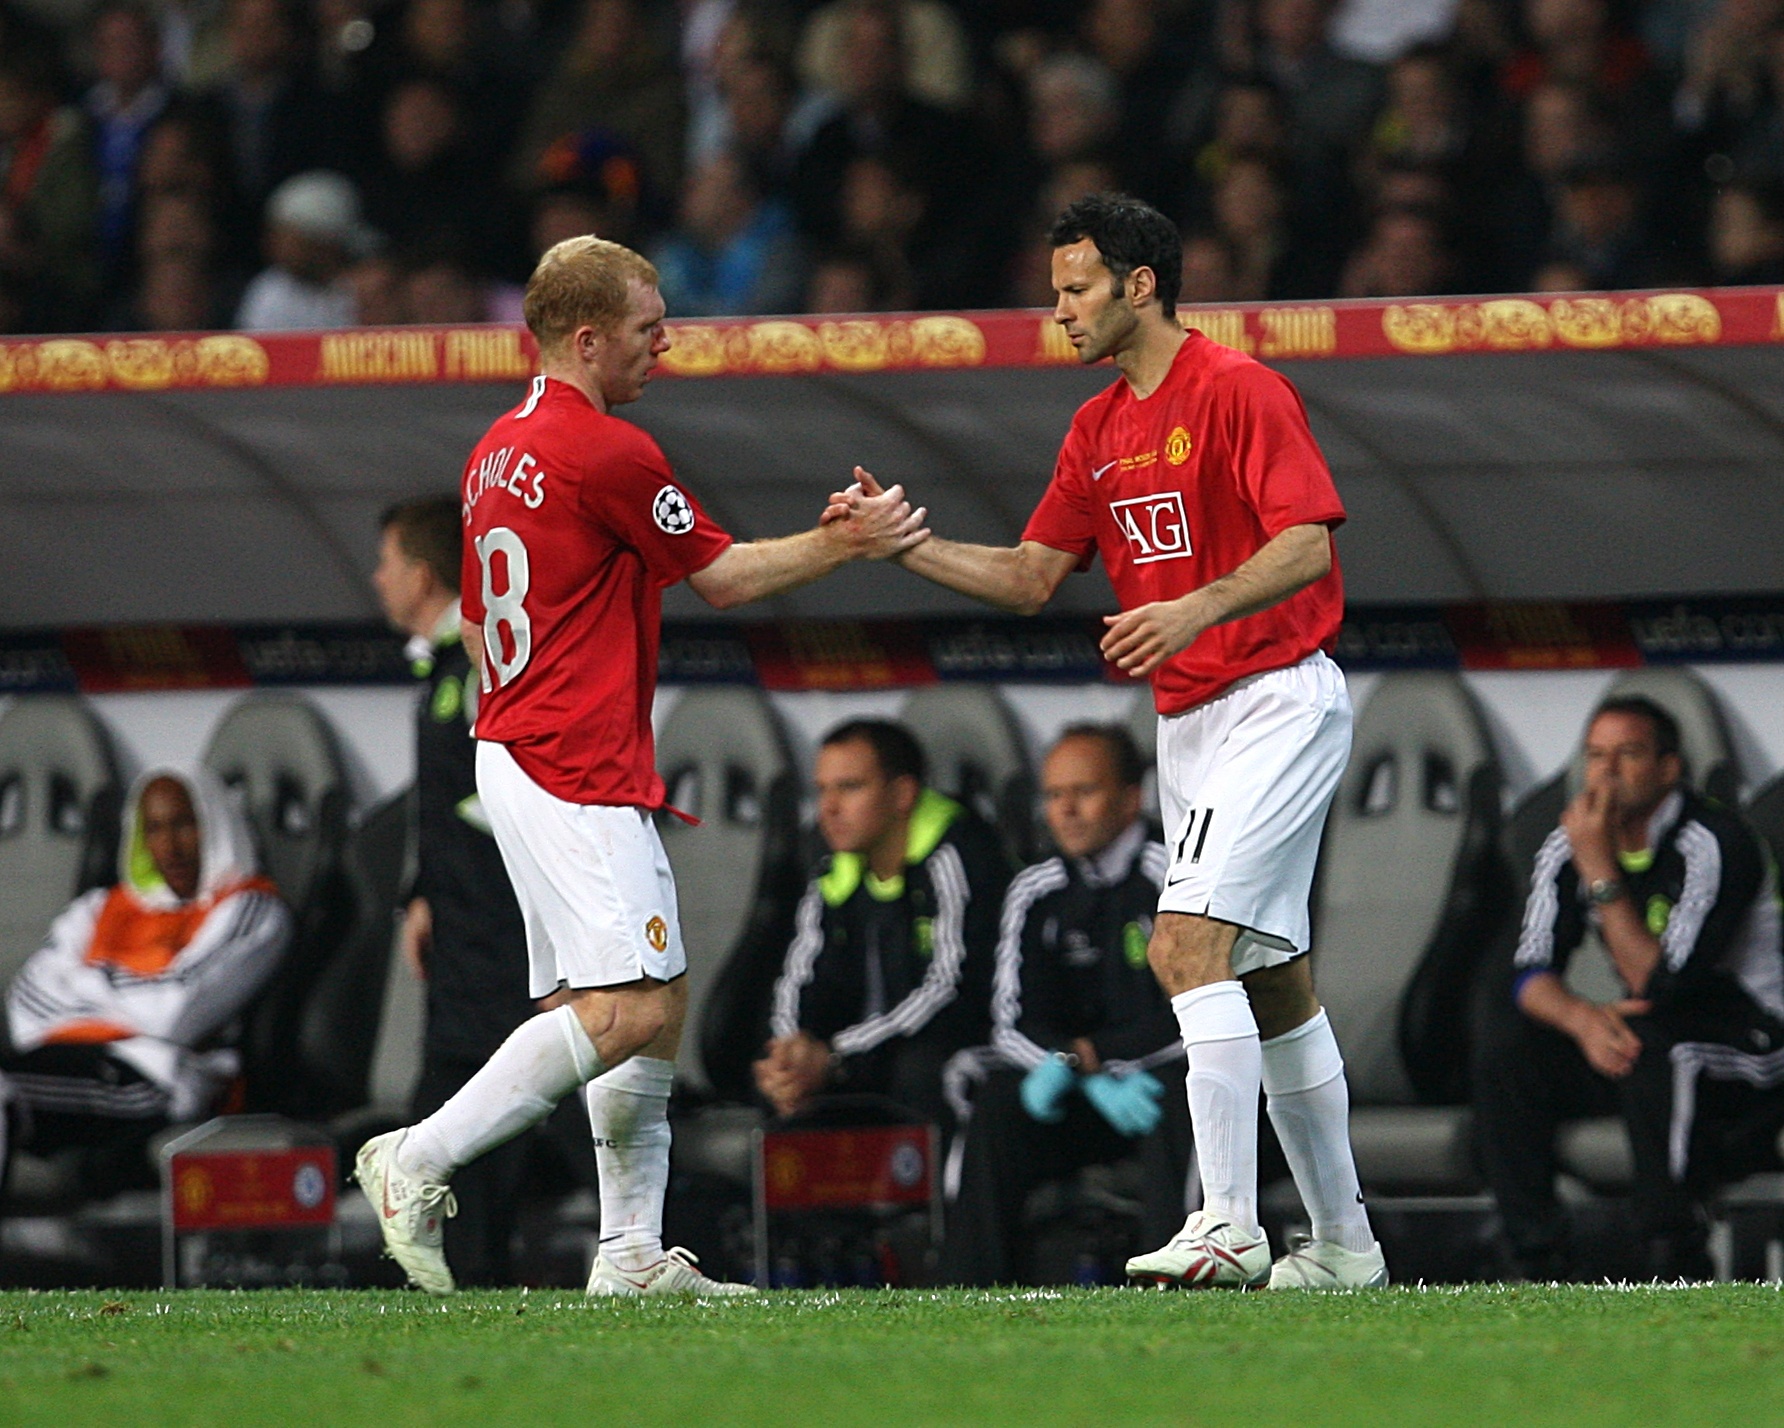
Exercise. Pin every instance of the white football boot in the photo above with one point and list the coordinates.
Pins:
(411, 1213)
(675, 1273)
(1321, 1264)
(1209, 1252)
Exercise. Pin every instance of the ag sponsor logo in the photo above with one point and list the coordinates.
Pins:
(671, 511)
(656, 932)
(1156, 526)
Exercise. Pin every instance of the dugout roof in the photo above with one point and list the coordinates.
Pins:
(1572, 447)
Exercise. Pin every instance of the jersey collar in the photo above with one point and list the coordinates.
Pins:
(446, 629)
(1659, 825)
(1116, 861)
(421, 650)
(931, 819)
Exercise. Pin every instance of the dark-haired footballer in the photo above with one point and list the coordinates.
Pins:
(1196, 478)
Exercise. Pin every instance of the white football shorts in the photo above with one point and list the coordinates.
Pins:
(1244, 782)
(593, 882)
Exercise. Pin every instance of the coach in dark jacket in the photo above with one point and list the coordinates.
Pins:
(462, 929)
(1691, 1056)
(889, 971)
(1091, 1061)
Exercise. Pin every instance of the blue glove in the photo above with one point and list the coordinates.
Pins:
(1128, 1103)
(1045, 1087)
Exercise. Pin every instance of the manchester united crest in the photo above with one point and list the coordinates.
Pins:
(1177, 446)
(656, 932)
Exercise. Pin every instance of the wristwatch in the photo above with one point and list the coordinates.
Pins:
(1601, 891)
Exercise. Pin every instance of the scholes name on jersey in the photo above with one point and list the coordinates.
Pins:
(526, 480)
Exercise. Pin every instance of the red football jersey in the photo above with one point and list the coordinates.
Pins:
(574, 524)
(1185, 487)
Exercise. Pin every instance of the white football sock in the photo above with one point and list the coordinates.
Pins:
(628, 1111)
(1309, 1103)
(1225, 1070)
(542, 1061)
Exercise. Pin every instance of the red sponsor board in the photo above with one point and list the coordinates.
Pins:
(840, 654)
(794, 346)
(253, 1189)
(835, 1169)
(1542, 636)
(122, 658)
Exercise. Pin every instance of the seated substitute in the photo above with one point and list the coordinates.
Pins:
(889, 971)
(1093, 1063)
(1691, 1056)
(116, 1021)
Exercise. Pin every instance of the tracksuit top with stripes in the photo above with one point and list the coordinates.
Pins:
(1706, 887)
(1071, 959)
(911, 957)
(477, 966)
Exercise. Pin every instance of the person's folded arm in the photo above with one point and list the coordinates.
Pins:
(1139, 640)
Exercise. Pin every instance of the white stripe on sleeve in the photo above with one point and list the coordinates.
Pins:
(802, 956)
(1536, 938)
(1030, 886)
(1703, 880)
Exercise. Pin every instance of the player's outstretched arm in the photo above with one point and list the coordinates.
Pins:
(876, 529)
(1139, 640)
(1020, 578)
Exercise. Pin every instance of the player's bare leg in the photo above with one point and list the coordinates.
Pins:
(621, 1021)
(405, 1174)
(628, 1111)
(1220, 1245)
(1309, 1105)
(1282, 998)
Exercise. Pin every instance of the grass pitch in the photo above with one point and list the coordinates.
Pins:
(1502, 1356)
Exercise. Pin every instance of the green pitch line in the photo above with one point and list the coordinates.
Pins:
(1502, 1356)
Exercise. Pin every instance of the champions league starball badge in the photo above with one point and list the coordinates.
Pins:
(671, 512)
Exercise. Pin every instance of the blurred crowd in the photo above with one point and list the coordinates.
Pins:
(184, 164)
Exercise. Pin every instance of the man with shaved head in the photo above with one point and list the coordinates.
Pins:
(1091, 1065)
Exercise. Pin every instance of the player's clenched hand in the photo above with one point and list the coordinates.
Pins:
(1139, 640)
(877, 524)
(843, 502)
